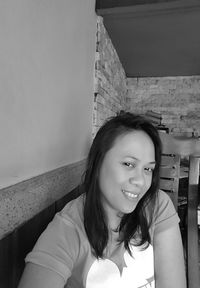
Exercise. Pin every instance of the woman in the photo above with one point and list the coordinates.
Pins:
(122, 231)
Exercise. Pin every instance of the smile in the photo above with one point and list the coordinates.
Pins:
(130, 194)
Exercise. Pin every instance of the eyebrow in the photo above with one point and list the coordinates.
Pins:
(135, 158)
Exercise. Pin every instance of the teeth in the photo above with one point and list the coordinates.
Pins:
(131, 195)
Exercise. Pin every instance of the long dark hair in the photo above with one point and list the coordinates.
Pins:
(94, 217)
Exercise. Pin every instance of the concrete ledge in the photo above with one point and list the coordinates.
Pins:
(20, 202)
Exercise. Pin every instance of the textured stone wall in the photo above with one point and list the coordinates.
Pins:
(176, 98)
(24, 200)
(110, 79)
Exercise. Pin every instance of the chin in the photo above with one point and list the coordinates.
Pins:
(129, 210)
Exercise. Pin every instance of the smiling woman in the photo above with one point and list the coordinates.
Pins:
(122, 230)
(126, 174)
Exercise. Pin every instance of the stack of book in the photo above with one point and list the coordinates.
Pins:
(154, 117)
(182, 200)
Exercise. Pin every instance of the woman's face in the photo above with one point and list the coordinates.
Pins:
(126, 174)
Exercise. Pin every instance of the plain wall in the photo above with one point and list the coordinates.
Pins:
(46, 85)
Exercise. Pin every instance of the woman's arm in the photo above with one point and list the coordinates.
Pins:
(169, 259)
(35, 276)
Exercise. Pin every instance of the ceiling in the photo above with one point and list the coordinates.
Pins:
(154, 38)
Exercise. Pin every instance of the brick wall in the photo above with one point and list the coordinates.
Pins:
(177, 98)
(110, 80)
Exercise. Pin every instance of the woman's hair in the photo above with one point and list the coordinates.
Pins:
(94, 216)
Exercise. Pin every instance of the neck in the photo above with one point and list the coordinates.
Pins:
(114, 223)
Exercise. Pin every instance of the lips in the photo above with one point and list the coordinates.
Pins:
(130, 195)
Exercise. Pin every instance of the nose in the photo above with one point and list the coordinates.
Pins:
(137, 178)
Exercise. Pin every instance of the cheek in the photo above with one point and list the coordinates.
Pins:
(110, 180)
(110, 173)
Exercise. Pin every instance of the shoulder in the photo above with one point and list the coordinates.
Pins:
(73, 211)
(164, 201)
(65, 230)
(164, 215)
(68, 223)
(163, 205)
(60, 245)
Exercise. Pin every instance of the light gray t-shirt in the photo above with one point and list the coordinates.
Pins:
(64, 248)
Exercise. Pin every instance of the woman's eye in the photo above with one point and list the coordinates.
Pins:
(149, 170)
(128, 164)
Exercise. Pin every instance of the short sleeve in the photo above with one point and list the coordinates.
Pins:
(165, 214)
(57, 247)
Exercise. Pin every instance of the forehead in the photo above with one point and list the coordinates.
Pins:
(137, 143)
